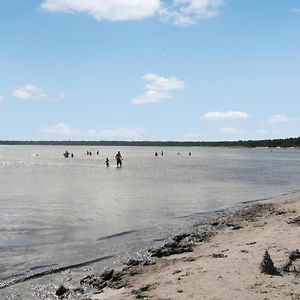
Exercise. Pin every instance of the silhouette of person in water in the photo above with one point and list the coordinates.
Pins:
(107, 162)
(119, 159)
(66, 154)
(162, 153)
(155, 154)
(190, 153)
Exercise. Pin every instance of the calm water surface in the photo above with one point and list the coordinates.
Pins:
(57, 212)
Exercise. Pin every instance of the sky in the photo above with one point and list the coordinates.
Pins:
(184, 70)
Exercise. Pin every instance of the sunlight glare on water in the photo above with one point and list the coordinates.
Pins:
(56, 211)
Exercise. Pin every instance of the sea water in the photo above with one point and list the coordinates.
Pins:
(57, 211)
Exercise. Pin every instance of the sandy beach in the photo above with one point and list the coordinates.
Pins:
(223, 266)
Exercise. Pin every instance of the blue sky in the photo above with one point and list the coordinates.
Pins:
(149, 70)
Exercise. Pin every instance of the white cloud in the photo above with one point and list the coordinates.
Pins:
(186, 12)
(229, 115)
(178, 12)
(113, 10)
(230, 130)
(279, 118)
(158, 88)
(1, 98)
(124, 132)
(29, 91)
(61, 129)
(121, 133)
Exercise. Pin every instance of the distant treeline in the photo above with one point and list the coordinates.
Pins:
(289, 142)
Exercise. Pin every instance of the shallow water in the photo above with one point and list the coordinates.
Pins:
(56, 212)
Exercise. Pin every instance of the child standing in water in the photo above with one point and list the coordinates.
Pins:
(107, 162)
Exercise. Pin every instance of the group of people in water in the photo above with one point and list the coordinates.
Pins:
(90, 153)
(67, 154)
(162, 153)
(118, 157)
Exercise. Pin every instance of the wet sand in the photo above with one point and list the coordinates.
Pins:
(223, 266)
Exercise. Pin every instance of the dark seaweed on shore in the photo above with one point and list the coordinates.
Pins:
(50, 272)
(179, 244)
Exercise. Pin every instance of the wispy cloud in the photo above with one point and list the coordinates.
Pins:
(113, 10)
(61, 129)
(280, 118)
(295, 10)
(29, 91)
(187, 12)
(61, 95)
(158, 88)
(124, 132)
(178, 12)
(229, 115)
(57, 96)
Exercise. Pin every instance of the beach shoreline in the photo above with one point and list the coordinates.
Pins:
(218, 258)
(222, 263)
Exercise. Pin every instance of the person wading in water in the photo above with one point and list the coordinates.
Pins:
(119, 159)
(107, 162)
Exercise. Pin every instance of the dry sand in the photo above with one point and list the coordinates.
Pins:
(227, 266)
